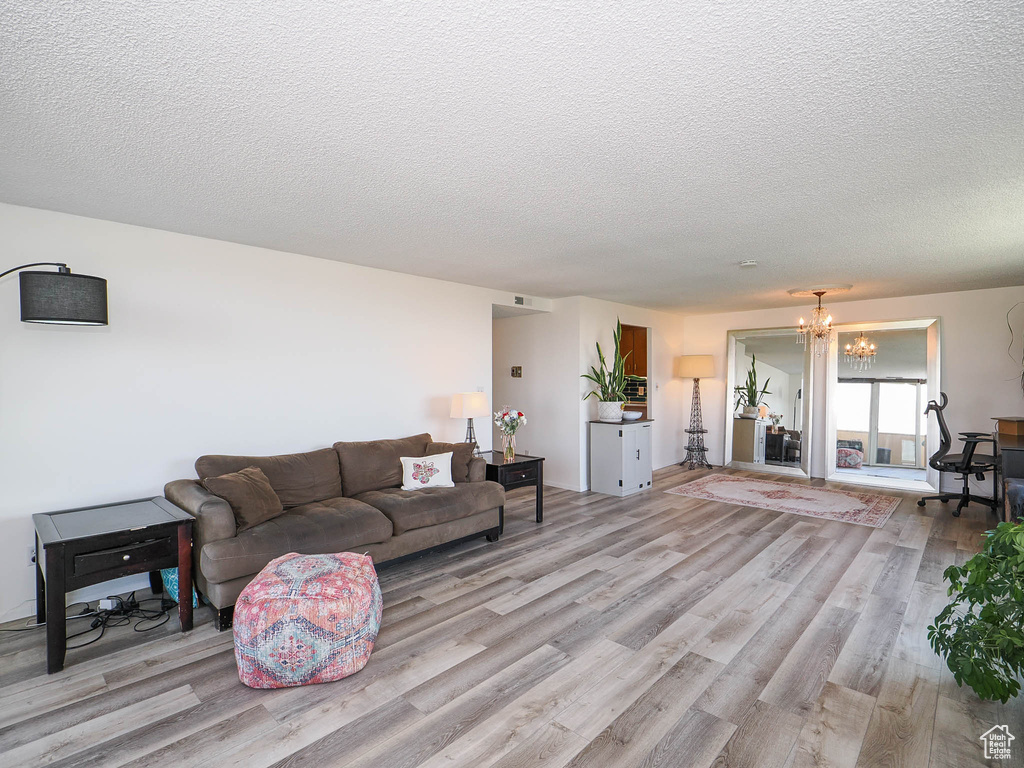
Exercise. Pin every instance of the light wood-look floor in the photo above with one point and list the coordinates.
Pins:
(652, 631)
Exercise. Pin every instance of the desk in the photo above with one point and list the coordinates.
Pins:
(76, 548)
(1011, 447)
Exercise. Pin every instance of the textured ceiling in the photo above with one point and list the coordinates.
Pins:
(628, 151)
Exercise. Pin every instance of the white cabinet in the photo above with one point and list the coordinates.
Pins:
(620, 457)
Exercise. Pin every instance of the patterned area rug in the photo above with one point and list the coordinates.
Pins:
(871, 509)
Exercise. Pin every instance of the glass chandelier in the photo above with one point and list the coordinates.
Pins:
(819, 330)
(861, 353)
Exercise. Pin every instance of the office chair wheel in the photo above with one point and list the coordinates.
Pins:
(920, 503)
(944, 499)
(956, 512)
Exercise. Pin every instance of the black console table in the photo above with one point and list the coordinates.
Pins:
(523, 472)
(76, 548)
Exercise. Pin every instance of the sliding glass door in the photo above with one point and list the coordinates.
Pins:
(879, 427)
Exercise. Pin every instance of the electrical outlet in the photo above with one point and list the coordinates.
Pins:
(31, 557)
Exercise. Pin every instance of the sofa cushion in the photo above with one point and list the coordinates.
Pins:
(462, 454)
(248, 492)
(419, 472)
(297, 478)
(332, 525)
(375, 464)
(408, 510)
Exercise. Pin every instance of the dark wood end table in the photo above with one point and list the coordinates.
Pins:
(523, 472)
(77, 548)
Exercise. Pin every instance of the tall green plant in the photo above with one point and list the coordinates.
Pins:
(610, 384)
(981, 632)
(747, 393)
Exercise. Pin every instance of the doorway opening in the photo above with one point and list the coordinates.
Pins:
(877, 431)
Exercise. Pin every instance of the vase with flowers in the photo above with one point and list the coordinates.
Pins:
(508, 421)
(776, 420)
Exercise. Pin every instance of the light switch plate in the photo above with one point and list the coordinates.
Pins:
(517, 371)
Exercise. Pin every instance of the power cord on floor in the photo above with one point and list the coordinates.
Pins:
(124, 610)
(30, 625)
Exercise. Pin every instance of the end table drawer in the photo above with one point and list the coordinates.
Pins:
(123, 557)
(520, 475)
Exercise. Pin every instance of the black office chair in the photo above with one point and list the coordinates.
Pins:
(965, 464)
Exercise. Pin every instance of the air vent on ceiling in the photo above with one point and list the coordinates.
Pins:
(523, 301)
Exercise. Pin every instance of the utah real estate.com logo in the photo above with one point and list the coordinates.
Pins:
(997, 742)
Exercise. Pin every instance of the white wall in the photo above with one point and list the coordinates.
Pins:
(212, 347)
(778, 399)
(554, 350)
(976, 373)
(545, 346)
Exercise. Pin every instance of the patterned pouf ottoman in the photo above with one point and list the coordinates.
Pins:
(307, 619)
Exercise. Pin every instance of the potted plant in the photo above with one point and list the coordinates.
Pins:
(748, 395)
(981, 632)
(610, 386)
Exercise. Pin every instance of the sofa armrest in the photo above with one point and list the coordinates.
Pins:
(214, 518)
(477, 469)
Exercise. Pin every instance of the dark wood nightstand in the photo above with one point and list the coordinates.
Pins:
(76, 548)
(521, 473)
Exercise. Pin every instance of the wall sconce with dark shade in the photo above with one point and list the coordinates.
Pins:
(61, 298)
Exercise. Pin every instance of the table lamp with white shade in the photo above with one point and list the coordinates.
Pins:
(695, 367)
(469, 406)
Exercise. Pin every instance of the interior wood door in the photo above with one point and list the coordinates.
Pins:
(639, 356)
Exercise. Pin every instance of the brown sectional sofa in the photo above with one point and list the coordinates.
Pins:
(345, 498)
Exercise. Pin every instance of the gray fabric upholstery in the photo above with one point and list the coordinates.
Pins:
(297, 478)
(432, 536)
(333, 525)
(375, 464)
(462, 454)
(225, 561)
(409, 510)
(214, 520)
(225, 593)
(477, 469)
(249, 493)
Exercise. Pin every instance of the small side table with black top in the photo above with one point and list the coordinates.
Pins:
(77, 548)
(523, 472)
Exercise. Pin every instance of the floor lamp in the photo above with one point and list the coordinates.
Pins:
(695, 367)
(469, 406)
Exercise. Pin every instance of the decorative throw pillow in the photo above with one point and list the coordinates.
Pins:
(249, 493)
(462, 453)
(427, 472)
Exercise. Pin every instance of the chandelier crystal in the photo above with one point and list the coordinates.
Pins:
(819, 330)
(861, 353)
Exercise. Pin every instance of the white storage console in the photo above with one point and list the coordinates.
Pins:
(620, 456)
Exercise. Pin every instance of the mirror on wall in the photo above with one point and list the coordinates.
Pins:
(767, 429)
(878, 433)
